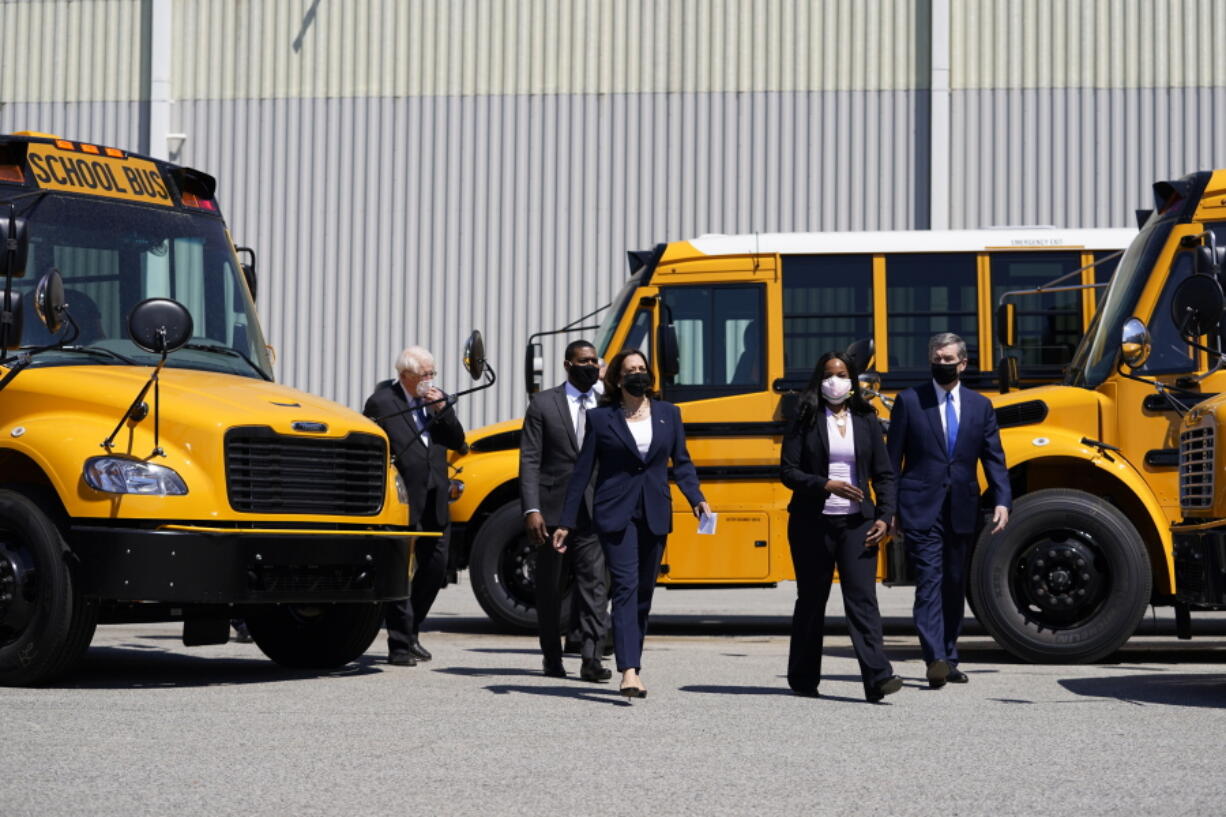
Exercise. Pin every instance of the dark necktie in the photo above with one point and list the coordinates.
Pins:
(581, 420)
(951, 424)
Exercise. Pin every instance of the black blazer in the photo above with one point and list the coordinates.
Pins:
(622, 476)
(547, 454)
(805, 461)
(422, 471)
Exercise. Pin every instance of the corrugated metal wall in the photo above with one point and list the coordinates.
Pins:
(72, 67)
(1066, 113)
(411, 170)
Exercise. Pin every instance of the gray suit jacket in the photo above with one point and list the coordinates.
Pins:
(547, 455)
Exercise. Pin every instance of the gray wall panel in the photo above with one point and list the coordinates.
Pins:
(382, 222)
(1080, 157)
(116, 124)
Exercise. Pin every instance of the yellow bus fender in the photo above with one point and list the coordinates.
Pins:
(1031, 444)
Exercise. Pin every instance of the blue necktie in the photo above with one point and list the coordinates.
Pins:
(951, 424)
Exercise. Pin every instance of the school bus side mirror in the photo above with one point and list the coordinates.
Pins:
(669, 355)
(160, 325)
(1197, 305)
(248, 267)
(1006, 324)
(534, 366)
(14, 247)
(1134, 343)
(474, 355)
(860, 353)
(49, 301)
(11, 320)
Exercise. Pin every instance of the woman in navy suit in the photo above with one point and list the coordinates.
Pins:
(831, 454)
(628, 442)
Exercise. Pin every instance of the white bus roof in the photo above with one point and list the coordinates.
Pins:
(1004, 238)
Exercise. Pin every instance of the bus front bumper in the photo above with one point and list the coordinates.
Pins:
(1200, 567)
(220, 566)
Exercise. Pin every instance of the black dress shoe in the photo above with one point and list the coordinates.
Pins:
(938, 673)
(594, 671)
(418, 651)
(882, 688)
(554, 669)
(402, 659)
(956, 676)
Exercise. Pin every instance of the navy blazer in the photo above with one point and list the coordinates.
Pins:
(926, 471)
(623, 477)
(805, 460)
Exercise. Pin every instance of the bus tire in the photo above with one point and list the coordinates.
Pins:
(502, 570)
(45, 624)
(1066, 582)
(315, 636)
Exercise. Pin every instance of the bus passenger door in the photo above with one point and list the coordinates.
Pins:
(732, 434)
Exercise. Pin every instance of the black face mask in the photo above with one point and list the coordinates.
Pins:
(636, 383)
(945, 373)
(583, 377)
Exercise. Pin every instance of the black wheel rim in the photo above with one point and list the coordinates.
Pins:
(517, 571)
(18, 588)
(1060, 579)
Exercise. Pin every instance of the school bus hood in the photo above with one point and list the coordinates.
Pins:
(1067, 408)
(190, 401)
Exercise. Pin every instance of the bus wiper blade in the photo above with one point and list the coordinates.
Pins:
(98, 351)
(226, 350)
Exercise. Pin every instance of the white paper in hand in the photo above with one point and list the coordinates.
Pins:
(706, 524)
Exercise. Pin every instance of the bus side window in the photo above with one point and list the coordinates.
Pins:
(1049, 326)
(927, 293)
(639, 336)
(720, 340)
(827, 305)
(1169, 353)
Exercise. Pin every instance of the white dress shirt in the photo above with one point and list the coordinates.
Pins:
(956, 391)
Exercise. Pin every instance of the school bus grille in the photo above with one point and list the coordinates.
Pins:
(1196, 467)
(268, 472)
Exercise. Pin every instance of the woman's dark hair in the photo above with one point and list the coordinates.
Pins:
(613, 377)
(811, 401)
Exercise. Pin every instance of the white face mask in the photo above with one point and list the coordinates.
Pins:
(836, 389)
(423, 387)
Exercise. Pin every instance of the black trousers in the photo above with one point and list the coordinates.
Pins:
(819, 543)
(403, 618)
(589, 615)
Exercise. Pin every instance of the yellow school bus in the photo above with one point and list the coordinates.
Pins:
(734, 325)
(150, 468)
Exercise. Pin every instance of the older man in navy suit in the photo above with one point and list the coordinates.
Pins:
(938, 433)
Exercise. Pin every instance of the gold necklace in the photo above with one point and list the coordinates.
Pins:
(637, 412)
(840, 418)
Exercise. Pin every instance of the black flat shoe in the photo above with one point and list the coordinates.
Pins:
(882, 688)
(594, 671)
(957, 676)
(418, 651)
(401, 659)
(938, 673)
(554, 669)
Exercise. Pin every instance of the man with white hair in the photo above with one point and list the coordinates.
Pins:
(421, 425)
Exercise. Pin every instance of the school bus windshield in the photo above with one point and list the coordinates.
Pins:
(1095, 356)
(112, 255)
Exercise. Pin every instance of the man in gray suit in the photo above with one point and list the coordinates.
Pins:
(553, 431)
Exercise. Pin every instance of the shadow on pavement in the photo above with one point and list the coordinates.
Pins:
(479, 672)
(1171, 689)
(140, 667)
(589, 693)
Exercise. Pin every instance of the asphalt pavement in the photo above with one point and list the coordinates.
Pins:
(147, 726)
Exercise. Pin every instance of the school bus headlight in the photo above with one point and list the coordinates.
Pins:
(116, 475)
(402, 493)
(457, 488)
